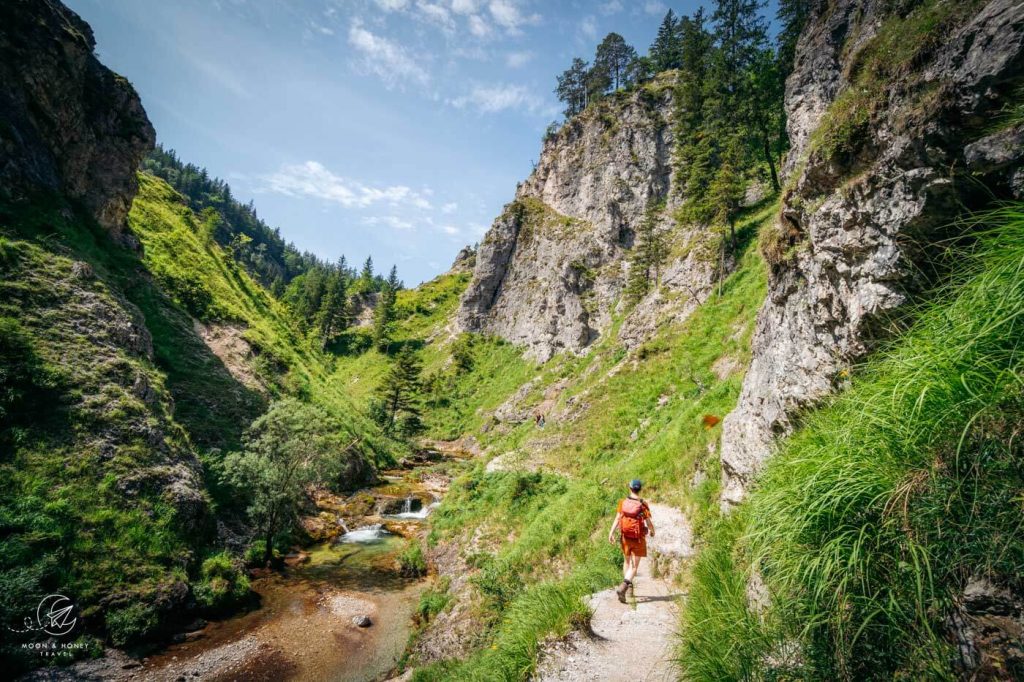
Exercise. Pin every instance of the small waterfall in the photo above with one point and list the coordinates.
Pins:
(365, 535)
(407, 509)
(341, 522)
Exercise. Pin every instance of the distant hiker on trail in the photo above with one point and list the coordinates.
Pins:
(538, 419)
(633, 519)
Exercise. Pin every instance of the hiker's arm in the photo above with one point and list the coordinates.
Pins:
(650, 525)
(615, 524)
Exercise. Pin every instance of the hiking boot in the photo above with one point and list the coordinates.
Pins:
(620, 591)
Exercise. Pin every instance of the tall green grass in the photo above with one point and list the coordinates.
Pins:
(873, 516)
(642, 416)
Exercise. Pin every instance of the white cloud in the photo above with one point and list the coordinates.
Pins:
(436, 14)
(507, 14)
(450, 229)
(588, 27)
(450, 207)
(514, 60)
(478, 26)
(392, 5)
(655, 7)
(384, 58)
(391, 221)
(312, 179)
(490, 99)
(464, 6)
(610, 7)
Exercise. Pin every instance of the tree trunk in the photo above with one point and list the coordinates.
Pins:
(721, 267)
(268, 553)
(771, 162)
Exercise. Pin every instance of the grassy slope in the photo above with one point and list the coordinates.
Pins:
(871, 518)
(539, 534)
(66, 523)
(209, 401)
(97, 414)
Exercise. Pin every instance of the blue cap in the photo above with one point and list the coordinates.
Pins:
(636, 484)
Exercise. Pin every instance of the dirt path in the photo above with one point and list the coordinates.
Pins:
(631, 642)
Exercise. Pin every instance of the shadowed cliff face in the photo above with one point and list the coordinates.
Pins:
(895, 125)
(69, 124)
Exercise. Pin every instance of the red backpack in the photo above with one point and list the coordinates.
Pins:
(632, 523)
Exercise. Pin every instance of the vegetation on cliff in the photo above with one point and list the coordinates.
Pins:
(873, 517)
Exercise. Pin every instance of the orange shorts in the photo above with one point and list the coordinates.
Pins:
(634, 546)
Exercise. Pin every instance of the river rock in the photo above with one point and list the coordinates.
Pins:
(362, 621)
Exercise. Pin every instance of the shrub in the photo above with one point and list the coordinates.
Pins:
(222, 584)
(411, 562)
(255, 553)
(433, 602)
(189, 291)
(498, 582)
(131, 624)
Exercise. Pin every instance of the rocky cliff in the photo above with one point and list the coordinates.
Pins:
(897, 119)
(69, 125)
(550, 272)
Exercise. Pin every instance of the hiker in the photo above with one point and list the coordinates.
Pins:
(538, 419)
(633, 519)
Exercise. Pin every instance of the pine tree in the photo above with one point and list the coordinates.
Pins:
(763, 109)
(572, 87)
(392, 281)
(740, 33)
(726, 190)
(367, 281)
(399, 393)
(384, 313)
(665, 52)
(792, 15)
(646, 258)
(332, 318)
(697, 141)
(612, 60)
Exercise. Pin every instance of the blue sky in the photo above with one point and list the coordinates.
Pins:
(391, 128)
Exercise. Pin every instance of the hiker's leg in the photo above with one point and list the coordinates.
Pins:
(633, 563)
(625, 567)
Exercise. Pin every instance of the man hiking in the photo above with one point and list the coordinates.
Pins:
(633, 519)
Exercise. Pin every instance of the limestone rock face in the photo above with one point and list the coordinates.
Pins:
(550, 271)
(843, 255)
(71, 125)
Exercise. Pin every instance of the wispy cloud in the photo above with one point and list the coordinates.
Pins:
(654, 7)
(610, 7)
(450, 207)
(392, 5)
(391, 221)
(436, 13)
(311, 179)
(464, 6)
(490, 99)
(478, 26)
(506, 13)
(588, 27)
(514, 60)
(384, 58)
